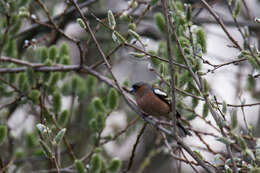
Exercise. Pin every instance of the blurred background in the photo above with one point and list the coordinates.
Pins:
(231, 75)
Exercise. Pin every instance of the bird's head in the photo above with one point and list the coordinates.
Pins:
(137, 87)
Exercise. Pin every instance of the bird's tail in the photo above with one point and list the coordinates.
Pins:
(183, 132)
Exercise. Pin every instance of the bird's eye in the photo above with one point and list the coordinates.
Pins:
(136, 86)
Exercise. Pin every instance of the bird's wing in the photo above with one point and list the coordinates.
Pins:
(163, 96)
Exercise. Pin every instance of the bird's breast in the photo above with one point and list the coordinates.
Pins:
(153, 106)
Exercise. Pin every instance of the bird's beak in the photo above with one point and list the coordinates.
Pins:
(132, 90)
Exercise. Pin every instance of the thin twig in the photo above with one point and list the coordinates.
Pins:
(53, 22)
(154, 56)
(131, 159)
(249, 12)
(192, 166)
(209, 8)
(19, 62)
(121, 132)
(69, 12)
(6, 166)
(5, 34)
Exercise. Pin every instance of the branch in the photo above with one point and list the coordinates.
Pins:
(87, 69)
(69, 12)
(209, 8)
(56, 27)
(19, 62)
(251, 25)
(134, 148)
(171, 59)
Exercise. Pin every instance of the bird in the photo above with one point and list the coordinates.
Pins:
(153, 101)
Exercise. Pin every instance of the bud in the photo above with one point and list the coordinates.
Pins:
(159, 21)
(113, 99)
(201, 40)
(46, 149)
(115, 165)
(95, 163)
(98, 104)
(63, 118)
(81, 23)
(3, 133)
(58, 138)
(111, 19)
(80, 167)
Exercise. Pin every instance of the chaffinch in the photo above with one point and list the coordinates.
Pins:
(153, 101)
